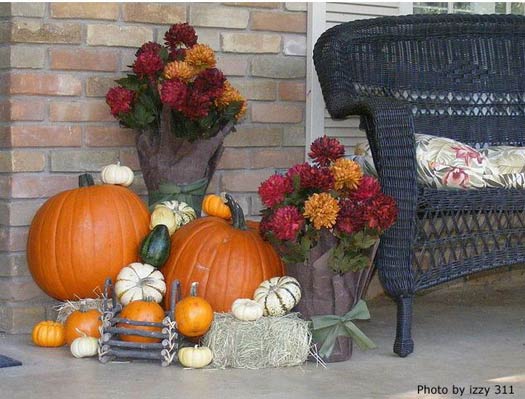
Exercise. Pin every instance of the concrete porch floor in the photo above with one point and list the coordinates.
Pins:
(463, 337)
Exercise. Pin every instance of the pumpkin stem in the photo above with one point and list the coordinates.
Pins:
(237, 214)
(85, 180)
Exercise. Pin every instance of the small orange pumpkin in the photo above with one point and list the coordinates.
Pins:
(82, 322)
(141, 311)
(49, 334)
(215, 205)
(194, 316)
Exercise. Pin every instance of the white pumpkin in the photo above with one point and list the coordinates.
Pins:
(139, 281)
(182, 211)
(163, 215)
(117, 174)
(84, 347)
(247, 309)
(196, 357)
(278, 295)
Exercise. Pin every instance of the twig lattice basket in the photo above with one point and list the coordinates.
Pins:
(113, 348)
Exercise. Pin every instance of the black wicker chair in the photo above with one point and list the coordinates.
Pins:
(458, 76)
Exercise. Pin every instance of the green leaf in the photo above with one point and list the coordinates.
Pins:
(363, 240)
(132, 82)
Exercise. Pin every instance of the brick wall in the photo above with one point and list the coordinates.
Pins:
(58, 60)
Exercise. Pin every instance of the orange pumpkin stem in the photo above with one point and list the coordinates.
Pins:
(239, 222)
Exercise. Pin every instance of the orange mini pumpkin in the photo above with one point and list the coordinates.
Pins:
(49, 334)
(82, 322)
(80, 237)
(228, 260)
(215, 205)
(194, 316)
(141, 311)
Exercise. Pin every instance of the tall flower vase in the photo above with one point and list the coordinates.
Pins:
(175, 168)
(330, 298)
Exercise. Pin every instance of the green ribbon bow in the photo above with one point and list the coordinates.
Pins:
(326, 329)
(191, 193)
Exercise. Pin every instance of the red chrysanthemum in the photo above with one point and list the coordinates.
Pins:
(119, 100)
(274, 189)
(265, 224)
(174, 93)
(149, 47)
(381, 212)
(197, 105)
(368, 188)
(325, 150)
(210, 81)
(148, 63)
(312, 176)
(180, 34)
(286, 223)
(351, 217)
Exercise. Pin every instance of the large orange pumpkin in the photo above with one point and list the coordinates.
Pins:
(228, 260)
(80, 237)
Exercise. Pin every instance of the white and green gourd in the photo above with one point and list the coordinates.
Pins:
(278, 295)
(182, 211)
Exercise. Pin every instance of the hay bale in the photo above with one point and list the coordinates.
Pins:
(64, 309)
(268, 342)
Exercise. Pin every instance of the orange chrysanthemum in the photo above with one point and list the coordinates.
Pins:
(229, 95)
(322, 210)
(200, 57)
(347, 174)
(179, 70)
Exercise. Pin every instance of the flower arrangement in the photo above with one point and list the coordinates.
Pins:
(180, 75)
(331, 195)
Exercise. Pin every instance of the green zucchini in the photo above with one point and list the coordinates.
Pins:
(155, 248)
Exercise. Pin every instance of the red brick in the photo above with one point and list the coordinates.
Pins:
(109, 136)
(233, 158)
(130, 158)
(83, 59)
(292, 91)
(19, 289)
(13, 238)
(85, 10)
(244, 181)
(276, 113)
(37, 84)
(46, 136)
(40, 185)
(27, 110)
(279, 21)
(80, 111)
(277, 158)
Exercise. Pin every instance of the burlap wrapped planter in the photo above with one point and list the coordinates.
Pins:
(327, 293)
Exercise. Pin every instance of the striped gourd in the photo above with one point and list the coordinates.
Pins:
(139, 281)
(278, 295)
(182, 211)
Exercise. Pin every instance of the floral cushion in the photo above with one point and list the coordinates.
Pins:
(444, 163)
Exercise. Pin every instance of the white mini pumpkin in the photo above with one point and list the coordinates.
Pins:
(247, 309)
(278, 295)
(117, 174)
(182, 211)
(139, 281)
(196, 357)
(163, 215)
(84, 347)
